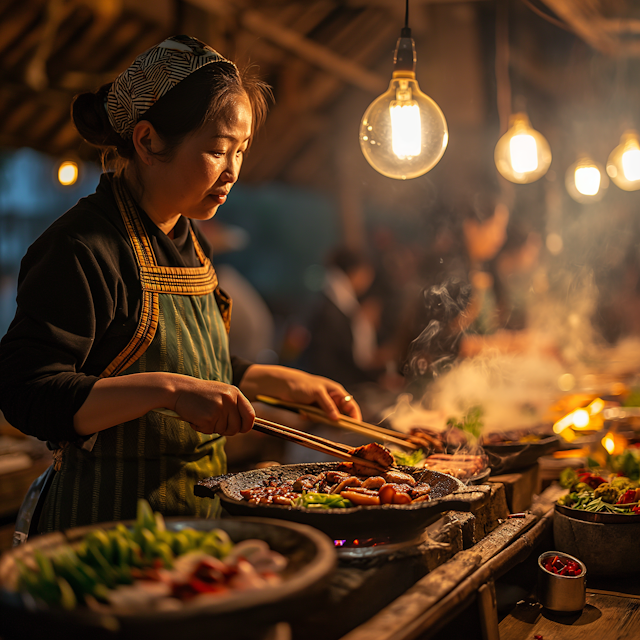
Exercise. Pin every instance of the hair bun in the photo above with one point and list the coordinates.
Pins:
(91, 119)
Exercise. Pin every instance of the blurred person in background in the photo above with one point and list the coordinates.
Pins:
(472, 294)
(342, 325)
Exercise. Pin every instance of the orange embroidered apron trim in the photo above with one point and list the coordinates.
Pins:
(155, 279)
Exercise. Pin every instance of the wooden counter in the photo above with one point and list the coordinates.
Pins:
(607, 616)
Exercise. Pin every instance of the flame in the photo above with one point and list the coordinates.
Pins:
(580, 419)
(614, 443)
(589, 417)
(609, 444)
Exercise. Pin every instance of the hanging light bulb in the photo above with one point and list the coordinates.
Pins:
(403, 133)
(586, 180)
(522, 154)
(623, 165)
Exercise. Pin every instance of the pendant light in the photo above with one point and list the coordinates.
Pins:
(623, 165)
(586, 180)
(522, 154)
(403, 133)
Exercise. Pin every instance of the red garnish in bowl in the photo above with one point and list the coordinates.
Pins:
(562, 566)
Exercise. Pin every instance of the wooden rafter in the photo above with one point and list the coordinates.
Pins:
(605, 34)
(259, 24)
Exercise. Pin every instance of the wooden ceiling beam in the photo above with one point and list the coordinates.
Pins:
(609, 35)
(294, 42)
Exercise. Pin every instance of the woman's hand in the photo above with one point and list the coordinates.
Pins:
(293, 385)
(214, 407)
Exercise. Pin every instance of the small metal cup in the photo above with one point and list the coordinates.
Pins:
(561, 593)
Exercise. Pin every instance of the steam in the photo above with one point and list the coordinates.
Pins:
(517, 382)
(436, 348)
(514, 390)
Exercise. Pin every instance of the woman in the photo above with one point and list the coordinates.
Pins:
(119, 310)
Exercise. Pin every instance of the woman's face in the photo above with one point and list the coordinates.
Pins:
(204, 167)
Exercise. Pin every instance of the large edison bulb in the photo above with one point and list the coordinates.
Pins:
(586, 180)
(623, 165)
(403, 133)
(522, 154)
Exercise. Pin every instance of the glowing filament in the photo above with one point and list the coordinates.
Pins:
(405, 128)
(587, 180)
(524, 153)
(68, 173)
(631, 164)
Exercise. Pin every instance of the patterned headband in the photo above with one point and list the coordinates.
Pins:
(153, 74)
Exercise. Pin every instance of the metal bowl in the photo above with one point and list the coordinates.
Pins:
(566, 594)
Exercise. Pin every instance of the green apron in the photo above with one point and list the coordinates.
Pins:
(183, 329)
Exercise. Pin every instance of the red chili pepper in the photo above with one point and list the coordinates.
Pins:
(628, 496)
(200, 586)
(562, 566)
(595, 481)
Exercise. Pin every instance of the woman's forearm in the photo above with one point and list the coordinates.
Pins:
(123, 398)
(293, 385)
(208, 405)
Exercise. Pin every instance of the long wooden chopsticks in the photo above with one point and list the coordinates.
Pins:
(312, 441)
(308, 440)
(371, 430)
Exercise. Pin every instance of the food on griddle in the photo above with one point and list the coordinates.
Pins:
(124, 570)
(409, 458)
(437, 441)
(461, 466)
(426, 439)
(337, 489)
(517, 436)
(399, 477)
(375, 453)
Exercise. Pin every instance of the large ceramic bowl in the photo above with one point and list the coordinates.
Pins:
(246, 614)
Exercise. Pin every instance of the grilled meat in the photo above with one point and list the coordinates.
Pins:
(399, 477)
(305, 483)
(374, 452)
(349, 481)
(374, 482)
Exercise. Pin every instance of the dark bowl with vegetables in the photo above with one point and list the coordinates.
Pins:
(71, 608)
(599, 496)
(598, 521)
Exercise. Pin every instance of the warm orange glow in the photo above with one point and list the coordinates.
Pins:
(68, 173)
(580, 419)
(614, 443)
(587, 418)
(608, 443)
(571, 453)
(596, 406)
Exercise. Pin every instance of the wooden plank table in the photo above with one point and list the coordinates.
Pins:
(607, 616)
